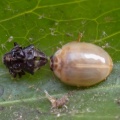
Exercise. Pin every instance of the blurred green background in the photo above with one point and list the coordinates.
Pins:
(49, 24)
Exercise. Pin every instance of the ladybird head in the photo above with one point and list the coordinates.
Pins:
(55, 61)
(56, 65)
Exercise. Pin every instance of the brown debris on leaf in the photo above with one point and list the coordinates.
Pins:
(57, 103)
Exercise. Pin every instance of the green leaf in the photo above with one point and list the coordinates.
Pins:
(49, 24)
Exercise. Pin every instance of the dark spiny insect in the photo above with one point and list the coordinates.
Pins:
(20, 60)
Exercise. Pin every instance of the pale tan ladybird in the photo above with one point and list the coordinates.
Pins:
(81, 64)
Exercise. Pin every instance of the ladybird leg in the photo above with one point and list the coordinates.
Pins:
(21, 73)
(14, 74)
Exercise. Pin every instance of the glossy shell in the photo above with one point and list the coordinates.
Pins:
(81, 64)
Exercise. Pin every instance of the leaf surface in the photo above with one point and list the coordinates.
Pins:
(49, 24)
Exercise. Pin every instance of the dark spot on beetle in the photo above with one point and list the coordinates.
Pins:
(20, 60)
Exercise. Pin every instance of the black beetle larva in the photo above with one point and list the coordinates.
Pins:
(20, 60)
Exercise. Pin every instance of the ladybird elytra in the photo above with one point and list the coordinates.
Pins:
(81, 64)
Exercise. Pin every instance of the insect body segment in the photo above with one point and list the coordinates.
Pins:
(28, 59)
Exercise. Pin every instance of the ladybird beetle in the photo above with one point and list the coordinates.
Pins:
(81, 64)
